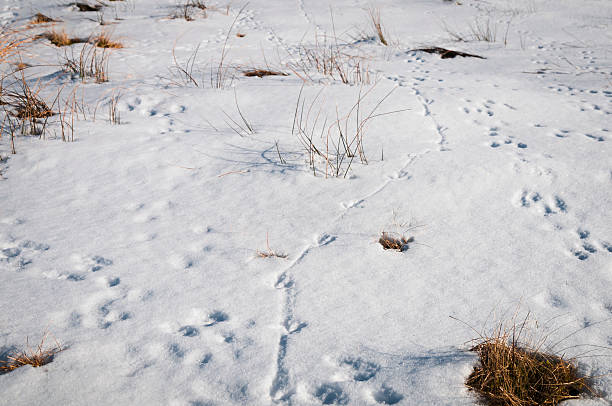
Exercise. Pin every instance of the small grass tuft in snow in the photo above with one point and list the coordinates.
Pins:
(25, 109)
(103, 40)
(326, 57)
(185, 9)
(40, 18)
(35, 357)
(390, 241)
(484, 30)
(260, 73)
(511, 373)
(269, 253)
(61, 39)
(86, 7)
(89, 63)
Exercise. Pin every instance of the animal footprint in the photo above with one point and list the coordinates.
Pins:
(387, 396)
(545, 206)
(331, 394)
(216, 317)
(98, 263)
(586, 247)
(362, 370)
(189, 331)
(19, 253)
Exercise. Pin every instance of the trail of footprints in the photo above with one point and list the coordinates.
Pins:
(485, 110)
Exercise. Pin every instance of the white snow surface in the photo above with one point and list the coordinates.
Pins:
(136, 246)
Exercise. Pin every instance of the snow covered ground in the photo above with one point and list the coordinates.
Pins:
(137, 244)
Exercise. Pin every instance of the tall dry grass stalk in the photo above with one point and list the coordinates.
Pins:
(11, 42)
(221, 78)
(377, 25)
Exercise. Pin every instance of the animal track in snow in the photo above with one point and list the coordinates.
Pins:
(331, 394)
(189, 331)
(216, 317)
(535, 201)
(20, 253)
(586, 246)
(362, 370)
(387, 396)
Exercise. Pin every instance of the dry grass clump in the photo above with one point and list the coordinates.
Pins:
(36, 357)
(390, 241)
(333, 143)
(87, 7)
(260, 73)
(330, 59)
(184, 9)
(510, 373)
(23, 102)
(61, 39)
(269, 253)
(89, 63)
(103, 40)
(40, 18)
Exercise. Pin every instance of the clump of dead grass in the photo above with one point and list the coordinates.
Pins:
(88, 63)
(328, 58)
(87, 7)
(185, 9)
(22, 101)
(61, 39)
(332, 144)
(40, 18)
(104, 40)
(269, 253)
(511, 372)
(36, 357)
(391, 241)
(260, 73)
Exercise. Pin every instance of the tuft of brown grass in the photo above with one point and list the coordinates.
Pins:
(269, 253)
(86, 7)
(103, 40)
(260, 73)
(24, 103)
(36, 357)
(510, 373)
(89, 63)
(335, 143)
(40, 18)
(61, 39)
(390, 241)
